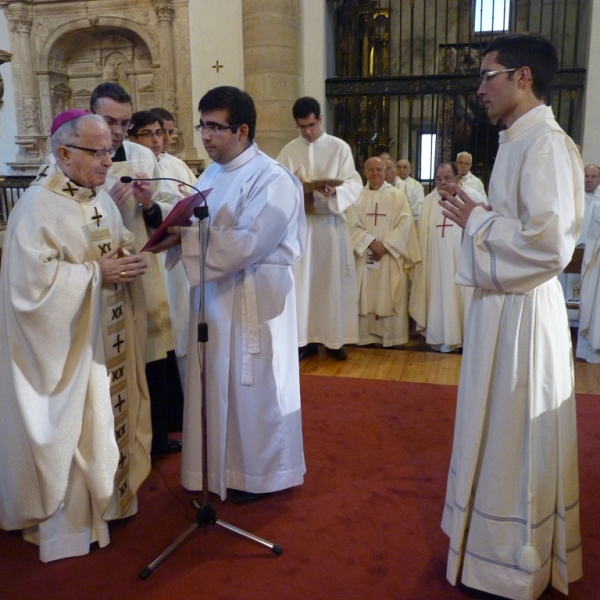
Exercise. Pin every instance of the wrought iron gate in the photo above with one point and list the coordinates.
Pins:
(407, 69)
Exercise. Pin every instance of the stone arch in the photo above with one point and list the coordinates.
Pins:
(118, 23)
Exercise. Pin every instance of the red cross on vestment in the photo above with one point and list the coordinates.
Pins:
(376, 214)
(443, 226)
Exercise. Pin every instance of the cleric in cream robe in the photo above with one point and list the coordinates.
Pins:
(325, 275)
(75, 425)
(386, 248)
(512, 501)
(256, 233)
(143, 205)
(437, 304)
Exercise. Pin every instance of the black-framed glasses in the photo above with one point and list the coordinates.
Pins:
(487, 75)
(214, 128)
(309, 126)
(100, 153)
(125, 125)
(148, 134)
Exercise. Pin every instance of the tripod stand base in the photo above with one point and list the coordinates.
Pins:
(206, 515)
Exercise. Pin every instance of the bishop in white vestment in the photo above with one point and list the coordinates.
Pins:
(382, 216)
(75, 426)
(512, 500)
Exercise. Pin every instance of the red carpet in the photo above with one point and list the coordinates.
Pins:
(365, 524)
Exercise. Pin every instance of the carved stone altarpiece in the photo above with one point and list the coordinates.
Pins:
(63, 49)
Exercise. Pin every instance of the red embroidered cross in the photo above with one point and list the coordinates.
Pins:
(443, 226)
(376, 214)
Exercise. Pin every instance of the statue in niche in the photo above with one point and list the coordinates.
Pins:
(115, 70)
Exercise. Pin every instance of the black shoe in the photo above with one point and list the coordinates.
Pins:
(308, 350)
(172, 447)
(241, 497)
(338, 354)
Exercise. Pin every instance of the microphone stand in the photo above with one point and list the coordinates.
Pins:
(206, 513)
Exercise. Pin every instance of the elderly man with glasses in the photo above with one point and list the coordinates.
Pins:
(75, 426)
(143, 205)
(437, 304)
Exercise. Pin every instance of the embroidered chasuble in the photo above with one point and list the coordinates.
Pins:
(437, 304)
(383, 215)
(75, 431)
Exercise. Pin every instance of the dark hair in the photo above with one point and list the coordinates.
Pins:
(238, 104)
(306, 106)
(141, 118)
(452, 165)
(109, 90)
(528, 50)
(163, 113)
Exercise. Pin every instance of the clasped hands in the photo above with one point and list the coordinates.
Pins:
(117, 267)
(377, 250)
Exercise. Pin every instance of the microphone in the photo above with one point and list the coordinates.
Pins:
(127, 179)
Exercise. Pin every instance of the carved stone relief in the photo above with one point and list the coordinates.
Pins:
(67, 48)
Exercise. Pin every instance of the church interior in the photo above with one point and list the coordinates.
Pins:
(395, 76)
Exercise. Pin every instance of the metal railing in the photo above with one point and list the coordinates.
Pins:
(11, 188)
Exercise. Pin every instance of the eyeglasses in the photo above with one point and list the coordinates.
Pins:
(125, 125)
(100, 153)
(148, 134)
(487, 75)
(446, 178)
(214, 128)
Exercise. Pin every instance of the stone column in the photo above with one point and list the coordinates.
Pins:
(272, 67)
(30, 138)
(164, 12)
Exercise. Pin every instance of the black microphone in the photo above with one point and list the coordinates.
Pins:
(127, 179)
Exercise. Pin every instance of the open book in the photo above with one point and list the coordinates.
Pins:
(180, 215)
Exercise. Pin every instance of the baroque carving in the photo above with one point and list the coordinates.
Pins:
(30, 113)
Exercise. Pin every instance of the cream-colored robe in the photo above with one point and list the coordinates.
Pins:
(257, 231)
(72, 377)
(325, 275)
(383, 215)
(437, 304)
(513, 473)
(141, 160)
(178, 287)
(474, 183)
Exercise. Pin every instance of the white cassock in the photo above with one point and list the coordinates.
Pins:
(588, 340)
(591, 201)
(178, 287)
(257, 232)
(437, 304)
(383, 215)
(417, 198)
(141, 161)
(474, 183)
(325, 275)
(75, 425)
(513, 490)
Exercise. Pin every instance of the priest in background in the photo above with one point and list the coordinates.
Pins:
(437, 304)
(512, 500)
(386, 248)
(75, 425)
(325, 275)
(464, 162)
(142, 217)
(403, 170)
